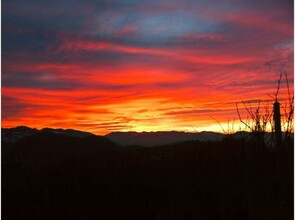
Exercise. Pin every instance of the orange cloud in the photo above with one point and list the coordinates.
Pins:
(141, 69)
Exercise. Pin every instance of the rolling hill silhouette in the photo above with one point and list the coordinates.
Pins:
(12, 135)
(161, 137)
(17, 133)
(49, 175)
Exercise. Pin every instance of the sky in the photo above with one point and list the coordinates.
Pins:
(113, 65)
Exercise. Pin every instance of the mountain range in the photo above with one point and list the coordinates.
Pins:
(161, 137)
(67, 174)
(12, 135)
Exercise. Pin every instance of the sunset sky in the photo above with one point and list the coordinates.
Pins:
(111, 65)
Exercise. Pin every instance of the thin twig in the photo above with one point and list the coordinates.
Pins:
(241, 118)
(279, 83)
(219, 125)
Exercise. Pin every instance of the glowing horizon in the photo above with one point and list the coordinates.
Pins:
(141, 66)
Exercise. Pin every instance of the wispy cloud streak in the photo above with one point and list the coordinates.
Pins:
(140, 65)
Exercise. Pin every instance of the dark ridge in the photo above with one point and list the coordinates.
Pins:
(161, 137)
(15, 134)
(51, 176)
(68, 132)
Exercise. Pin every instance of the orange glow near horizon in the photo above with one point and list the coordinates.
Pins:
(59, 109)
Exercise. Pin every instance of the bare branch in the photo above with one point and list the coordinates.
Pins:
(279, 83)
(241, 118)
(271, 96)
(219, 124)
(249, 111)
(288, 88)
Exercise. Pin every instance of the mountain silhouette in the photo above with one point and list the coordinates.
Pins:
(57, 174)
(17, 133)
(12, 135)
(161, 137)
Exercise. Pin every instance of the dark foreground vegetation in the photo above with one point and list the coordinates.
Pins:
(54, 177)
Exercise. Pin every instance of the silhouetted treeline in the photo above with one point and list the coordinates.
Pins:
(50, 176)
